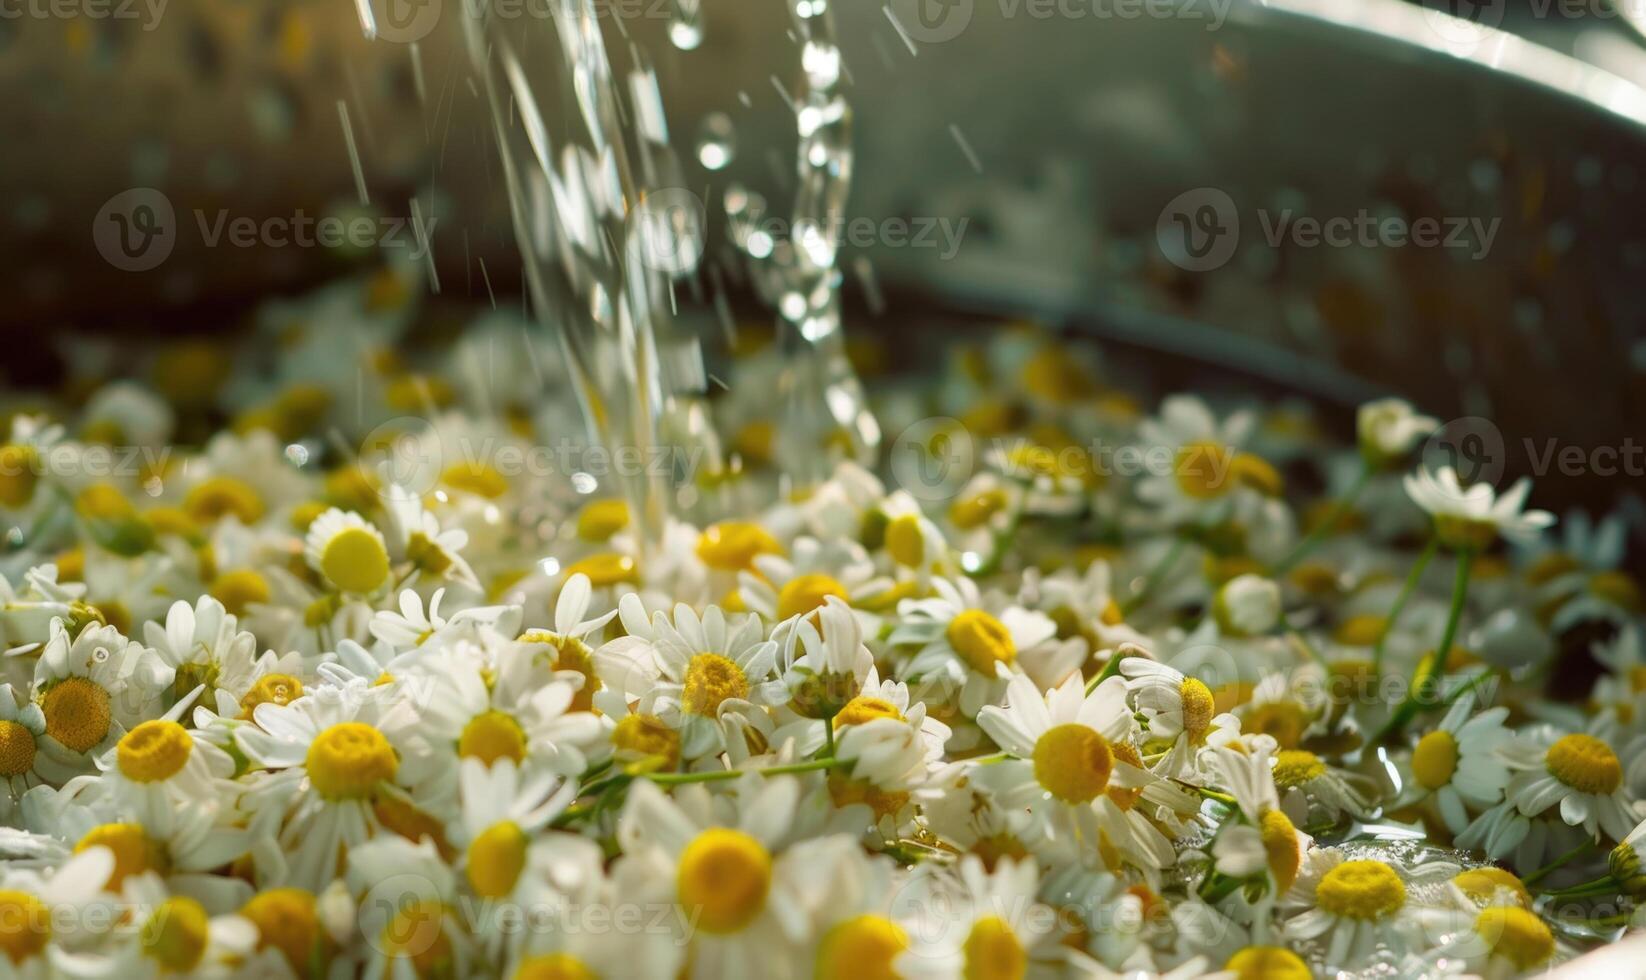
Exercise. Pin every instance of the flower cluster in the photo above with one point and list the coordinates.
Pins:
(272, 709)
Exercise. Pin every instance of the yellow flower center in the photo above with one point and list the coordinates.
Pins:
(16, 749)
(239, 588)
(1435, 759)
(133, 851)
(281, 689)
(1259, 474)
(348, 760)
(428, 556)
(1515, 934)
(865, 708)
(1072, 762)
(602, 519)
(905, 542)
(606, 569)
(285, 919)
(496, 858)
(1366, 890)
(982, 641)
(646, 743)
(77, 713)
(554, 966)
(1484, 886)
(804, 593)
(732, 545)
(1584, 763)
(1267, 963)
(1363, 630)
(710, 680)
(417, 932)
(845, 791)
(154, 751)
(1284, 721)
(1202, 470)
(355, 560)
(1617, 588)
(492, 735)
(976, 510)
(103, 502)
(1294, 767)
(574, 656)
(306, 512)
(476, 478)
(19, 475)
(993, 951)
(1280, 844)
(219, 496)
(860, 948)
(175, 934)
(25, 925)
(1198, 709)
(724, 875)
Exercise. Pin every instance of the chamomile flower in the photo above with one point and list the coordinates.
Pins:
(975, 643)
(408, 911)
(1178, 711)
(781, 588)
(159, 766)
(1579, 772)
(504, 811)
(1460, 764)
(91, 688)
(568, 643)
(331, 766)
(172, 934)
(419, 540)
(21, 729)
(1267, 840)
(412, 626)
(735, 876)
(1470, 518)
(348, 552)
(827, 663)
(34, 907)
(203, 645)
(1354, 909)
(709, 666)
(976, 923)
(1388, 429)
(1313, 791)
(1208, 467)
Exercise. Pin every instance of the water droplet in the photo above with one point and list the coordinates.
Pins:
(716, 141)
(686, 24)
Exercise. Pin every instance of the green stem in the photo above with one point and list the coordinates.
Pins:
(678, 778)
(1474, 682)
(828, 738)
(1109, 669)
(1433, 665)
(1405, 595)
(1152, 579)
(1559, 863)
(1600, 886)
(1315, 536)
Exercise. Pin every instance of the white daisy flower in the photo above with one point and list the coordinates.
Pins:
(1358, 910)
(974, 923)
(36, 907)
(780, 589)
(733, 874)
(332, 764)
(418, 539)
(975, 643)
(1471, 518)
(1208, 468)
(1460, 763)
(168, 934)
(1388, 429)
(203, 645)
(1178, 711)
(21, 729)
(1579, 772)
(832, 662)
(347, 552)
(91, 689)
(159, 766)
(408, 911)
(708, 667)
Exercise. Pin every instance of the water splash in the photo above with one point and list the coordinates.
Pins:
(686, 24)
(716, 141)
(603, 234)
(825, 412)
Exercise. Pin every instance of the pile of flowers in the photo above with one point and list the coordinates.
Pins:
(300, 703)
